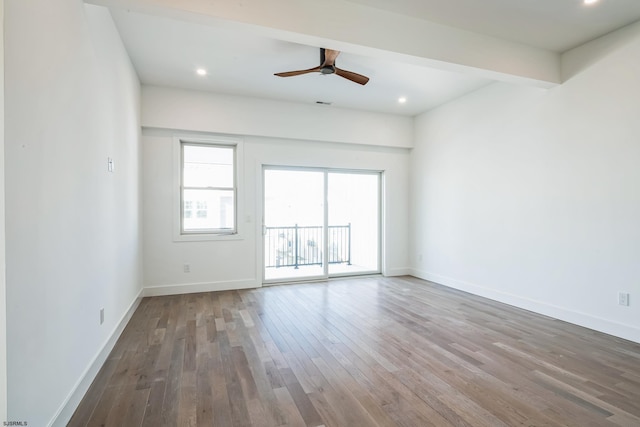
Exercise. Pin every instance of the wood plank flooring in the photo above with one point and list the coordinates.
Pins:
(359, 352)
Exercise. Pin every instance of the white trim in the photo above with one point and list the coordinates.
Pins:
(259, 221)
(238, 143)
(190, 288)
(393, 272)
(70, 404)
(329, 279)
(206, 237)
(293, 280)
(325, 223)
(620, 330)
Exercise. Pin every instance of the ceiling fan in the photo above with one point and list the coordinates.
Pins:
(328, 66)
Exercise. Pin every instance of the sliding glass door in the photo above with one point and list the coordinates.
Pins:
(354, 223)
(320, 223)
(294, 205)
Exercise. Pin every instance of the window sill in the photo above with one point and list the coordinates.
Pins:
(206, 237)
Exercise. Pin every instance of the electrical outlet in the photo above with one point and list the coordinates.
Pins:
(623, 298)
(101, 316)
(186, 268)
(110, 166)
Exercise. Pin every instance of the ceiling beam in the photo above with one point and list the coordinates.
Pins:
(347, 26)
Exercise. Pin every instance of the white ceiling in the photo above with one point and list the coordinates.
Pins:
(557, 25)
(166, 52)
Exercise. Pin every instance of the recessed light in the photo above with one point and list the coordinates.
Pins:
(201, 72)
(590, 1)
(402, 100)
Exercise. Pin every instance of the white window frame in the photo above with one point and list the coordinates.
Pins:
(178, 234)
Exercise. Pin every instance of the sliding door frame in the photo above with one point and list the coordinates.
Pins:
(325, 227)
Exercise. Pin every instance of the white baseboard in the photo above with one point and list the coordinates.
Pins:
(392, 272)
(70, 404)
(190, 288)
(577, 318)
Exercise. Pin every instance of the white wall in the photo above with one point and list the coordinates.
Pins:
(72, 229)
(531, 197)
(3, 299)
(235, 264)
(201, 111)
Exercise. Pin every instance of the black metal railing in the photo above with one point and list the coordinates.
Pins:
(294, 246)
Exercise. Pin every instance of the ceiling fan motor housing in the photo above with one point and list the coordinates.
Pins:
(329, 69)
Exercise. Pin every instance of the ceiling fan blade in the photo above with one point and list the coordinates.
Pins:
(298, 72)
(354, 77)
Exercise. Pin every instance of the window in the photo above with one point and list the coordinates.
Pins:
(208, 188)
(188, 209)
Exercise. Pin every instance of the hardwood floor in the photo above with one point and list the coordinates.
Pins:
(359, 352)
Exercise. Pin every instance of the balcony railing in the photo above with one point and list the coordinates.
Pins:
(294, 246)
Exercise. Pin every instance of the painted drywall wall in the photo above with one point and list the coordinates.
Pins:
(531, 197)
(3, 299)
(72, 228)
(235, 263)
(231, 264)
(577, 60)
(201, 111)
